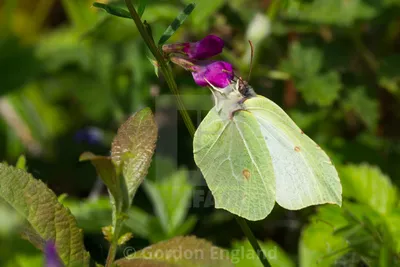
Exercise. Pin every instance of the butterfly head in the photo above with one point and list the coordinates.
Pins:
(230, 98)
(243, 87)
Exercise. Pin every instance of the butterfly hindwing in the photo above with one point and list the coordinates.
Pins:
(304, 173)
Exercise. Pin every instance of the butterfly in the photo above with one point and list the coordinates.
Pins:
(252, 155)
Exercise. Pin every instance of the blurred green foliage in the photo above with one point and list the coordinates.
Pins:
(333, 65)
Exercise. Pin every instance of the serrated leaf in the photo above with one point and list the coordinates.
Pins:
(133, 148)
(368, 185)
(47, 219)
(317, 239)
(365, 107)
(180, 251)
(178, 21)
(113, 10)
(243, 255)
(322, 89)
(303, 61)
(171, 200)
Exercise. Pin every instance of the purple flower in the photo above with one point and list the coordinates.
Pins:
(209, 46)
(90, 135)
(217, 73)
(51, 256)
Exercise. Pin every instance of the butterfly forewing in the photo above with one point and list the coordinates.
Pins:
(234, 159)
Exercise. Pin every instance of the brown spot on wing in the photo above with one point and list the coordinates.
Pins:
(301, 131)
(246, 174)
(297, 149)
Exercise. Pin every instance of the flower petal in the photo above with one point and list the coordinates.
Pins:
(51, 256)
(218, 73)
(209, 46)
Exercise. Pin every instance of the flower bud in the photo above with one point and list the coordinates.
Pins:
(209, 46)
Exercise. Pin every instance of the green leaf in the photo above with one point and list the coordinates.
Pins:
(368, 185)
(91, 215)
(124, 238)
(46, 218)
(133, 148)
(364, 107)
(303, 61)
(140, 222)
(21, 163)
(336, 12)
(178, 21)
(179, 251)
(107, 232)
(393, 222)
(322, 89)
(304, 65)
(142, 7)
(318, 246)
(108, 174)
(243, 255)
(171, 200)
(113, 10)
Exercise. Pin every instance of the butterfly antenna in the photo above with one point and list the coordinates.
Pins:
(251, 59)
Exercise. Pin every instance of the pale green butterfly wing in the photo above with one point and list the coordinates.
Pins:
(235, 162)
(304, 173)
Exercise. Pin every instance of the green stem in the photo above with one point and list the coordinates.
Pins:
(114, 243)
(166, 70)
(253, 241)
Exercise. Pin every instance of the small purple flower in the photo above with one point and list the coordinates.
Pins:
(51, 256)
(90, 135)
(209, 46)
(217, 73)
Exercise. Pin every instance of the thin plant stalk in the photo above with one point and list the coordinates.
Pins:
(114, 242)
(167, 72)
(253, 241)
(165, 69)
